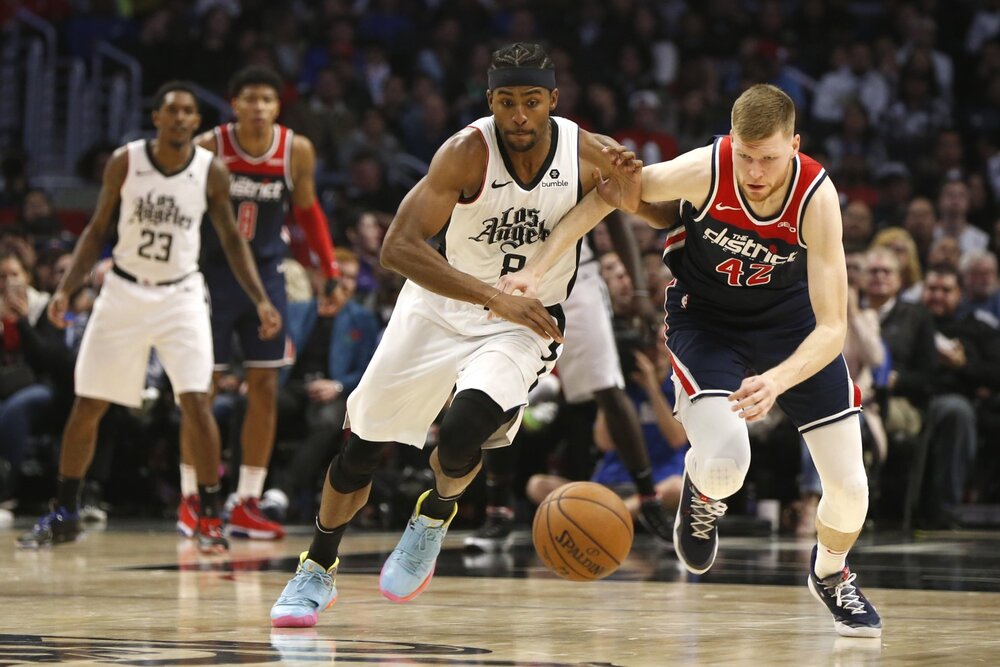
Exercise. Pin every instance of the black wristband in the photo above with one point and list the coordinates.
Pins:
(330, 286)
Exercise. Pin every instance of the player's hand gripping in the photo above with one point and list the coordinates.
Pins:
(755, 397)
(270, 320)
(526, 311)
(622, 185)
(520, 283)
(58, 305)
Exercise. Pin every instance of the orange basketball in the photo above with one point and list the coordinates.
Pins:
(582, 531)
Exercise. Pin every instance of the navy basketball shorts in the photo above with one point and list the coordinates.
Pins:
(712, 355)
(234, 315)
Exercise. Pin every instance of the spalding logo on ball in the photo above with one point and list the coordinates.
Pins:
(582, 531)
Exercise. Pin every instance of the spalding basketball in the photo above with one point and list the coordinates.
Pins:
(582, 531)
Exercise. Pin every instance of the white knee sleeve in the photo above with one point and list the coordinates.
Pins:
(719, 457)
(836, 451)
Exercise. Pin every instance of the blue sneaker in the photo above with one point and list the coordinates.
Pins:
(853, 614)
(696, 535)
(56, 527)
(309, 592)
(410, 566)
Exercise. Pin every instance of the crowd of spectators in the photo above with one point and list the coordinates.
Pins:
(900, 101)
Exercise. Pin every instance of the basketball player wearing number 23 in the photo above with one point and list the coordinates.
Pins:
(154, 297)
(494, 191)
(757, 315)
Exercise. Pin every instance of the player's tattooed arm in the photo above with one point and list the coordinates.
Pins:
(88, 248)
(220, 212)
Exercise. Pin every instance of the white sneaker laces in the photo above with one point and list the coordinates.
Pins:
(847, 595)
(704, 515)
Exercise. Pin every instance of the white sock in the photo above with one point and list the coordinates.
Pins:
(829, 561)
(251, 484)
(189, 481)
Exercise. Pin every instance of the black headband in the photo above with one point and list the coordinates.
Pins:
(521, 76)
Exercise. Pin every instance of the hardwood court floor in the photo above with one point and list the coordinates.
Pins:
(135, 596)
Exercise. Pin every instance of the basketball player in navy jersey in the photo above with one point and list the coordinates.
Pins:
(271, 170)
(153, 297)
(494, 190)
(757, 315)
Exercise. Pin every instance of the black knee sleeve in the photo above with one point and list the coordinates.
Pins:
(354, 466)
(472, 418)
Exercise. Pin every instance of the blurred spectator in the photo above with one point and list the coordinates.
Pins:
(369, 187)
(365, 235)
(858, 225)
(326, 118)
(333, 349)
(908, 331)
(981, 205)
(855, 137)
(894, 191)
(213, 57)
(16, 281)
(619, 284)
(982, 287)
(953, 209)
(645, 135)
(37, 220)
(967, 359)
(920, 222)
(945, 250)
(900, 243)
(918, 113)
(372, 136)
(854, 81)
(426, 128)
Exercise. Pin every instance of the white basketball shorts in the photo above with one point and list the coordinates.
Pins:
(129, 320)
(590, 361)
(433, 346)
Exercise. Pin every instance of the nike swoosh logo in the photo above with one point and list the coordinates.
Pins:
(495, 185)
(722, 207)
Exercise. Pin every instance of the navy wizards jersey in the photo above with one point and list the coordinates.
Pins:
(729, 260)
(260, 189)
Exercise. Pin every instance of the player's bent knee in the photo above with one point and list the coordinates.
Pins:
(720, 477)
(458, 454)
(844, 504)
(353, 468)
(472, 418)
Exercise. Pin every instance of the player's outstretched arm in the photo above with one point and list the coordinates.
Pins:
(88, 247)
(308, 213)
(457, 168)
(220, 211)
(826, 267)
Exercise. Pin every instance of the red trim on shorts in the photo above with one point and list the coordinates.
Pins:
(685, 382)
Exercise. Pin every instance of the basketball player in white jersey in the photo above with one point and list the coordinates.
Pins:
(153, 297)
(494, 191)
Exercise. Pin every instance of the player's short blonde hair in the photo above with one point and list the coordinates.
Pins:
(761, 111)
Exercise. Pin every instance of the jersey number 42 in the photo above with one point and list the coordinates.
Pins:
(735, 269)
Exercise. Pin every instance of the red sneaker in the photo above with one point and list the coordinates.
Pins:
(210, 538)
(246, 520)
(187, 515)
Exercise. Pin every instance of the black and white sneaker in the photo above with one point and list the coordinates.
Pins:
(654, 518)
(853, 614)
(496, 534)
(696, 533)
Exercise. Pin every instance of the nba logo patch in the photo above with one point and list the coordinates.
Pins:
(684, 301)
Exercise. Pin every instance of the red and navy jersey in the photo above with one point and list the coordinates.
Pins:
(260, 189)
(731, 261)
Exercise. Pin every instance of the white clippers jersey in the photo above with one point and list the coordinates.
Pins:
(501, 229)
(159, 224)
